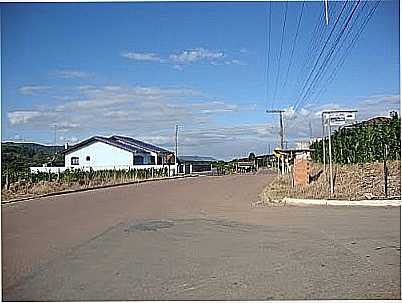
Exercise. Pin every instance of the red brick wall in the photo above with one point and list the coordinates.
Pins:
(301, 172)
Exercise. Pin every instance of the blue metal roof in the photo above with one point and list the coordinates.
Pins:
(139, 144)
(125, 143)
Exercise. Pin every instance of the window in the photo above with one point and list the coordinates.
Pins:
(159, 160)
(152, 160)
(75, 161)
(138, 160)
(88, 158)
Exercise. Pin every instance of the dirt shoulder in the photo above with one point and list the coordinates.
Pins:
(352, 182)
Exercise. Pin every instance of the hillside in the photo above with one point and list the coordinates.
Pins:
(18, 156)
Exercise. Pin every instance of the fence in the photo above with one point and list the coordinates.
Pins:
(81, 176)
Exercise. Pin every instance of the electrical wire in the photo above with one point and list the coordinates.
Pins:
(280, 52)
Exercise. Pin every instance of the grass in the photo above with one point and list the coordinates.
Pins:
(352, 182)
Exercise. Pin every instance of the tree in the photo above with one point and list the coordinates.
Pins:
(251, 157)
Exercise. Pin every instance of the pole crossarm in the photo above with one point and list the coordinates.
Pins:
(280, 112)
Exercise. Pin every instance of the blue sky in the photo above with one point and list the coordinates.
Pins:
(137, 69)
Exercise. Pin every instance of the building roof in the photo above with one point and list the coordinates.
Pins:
(125, 143)
(195, 159)
(139, 144)
(372, 121)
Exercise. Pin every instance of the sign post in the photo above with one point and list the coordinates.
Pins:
(335, 118)
(323, 143)
(331, 180)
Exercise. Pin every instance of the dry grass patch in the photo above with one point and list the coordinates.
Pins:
(352, 182)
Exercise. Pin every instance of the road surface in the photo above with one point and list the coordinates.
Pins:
(192, 239)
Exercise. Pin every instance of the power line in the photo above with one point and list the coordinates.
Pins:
(334, 52)
(328, 56)
(294, 44)
(268, 56)
(319, 57)
(348, 49)
(310, 49)
(280, 52)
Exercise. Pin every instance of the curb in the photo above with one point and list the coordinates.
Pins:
(307, 202)
(6, 202)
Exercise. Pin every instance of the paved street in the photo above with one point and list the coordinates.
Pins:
(192, 239)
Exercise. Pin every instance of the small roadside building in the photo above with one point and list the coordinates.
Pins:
(116, 152)
(195, 164)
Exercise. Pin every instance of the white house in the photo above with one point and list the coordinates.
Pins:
(115, 152)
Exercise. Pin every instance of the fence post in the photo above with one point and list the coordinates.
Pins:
(7, 180)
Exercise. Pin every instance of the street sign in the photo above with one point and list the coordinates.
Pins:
(339, 118)
(276, 152)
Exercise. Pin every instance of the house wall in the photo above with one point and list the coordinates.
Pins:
(107, 156)
(101, 154)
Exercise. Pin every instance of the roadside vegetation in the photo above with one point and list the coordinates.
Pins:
(362, 181)
(26, 184)
(366, 160)
(363, 143)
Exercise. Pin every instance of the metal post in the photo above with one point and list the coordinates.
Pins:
(331, 181)
(385, 171)
(326, 11)
(175, 156)
(283, 165)
(281, 126)
(279, 172)
(323, 141)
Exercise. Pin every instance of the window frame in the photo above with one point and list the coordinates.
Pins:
(75, 160)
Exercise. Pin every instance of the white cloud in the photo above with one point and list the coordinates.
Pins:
(178, 67)
(196, 54)
(117, 107)
(185, 57)
(71, 74)
(68, 139)
(33, 90)
(234, 61)
(22, 117)
(142, 56)
(289, 113)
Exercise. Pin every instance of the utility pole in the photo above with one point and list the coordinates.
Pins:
(176, 142)
(334, 118)
(280, 112)
(55, 138)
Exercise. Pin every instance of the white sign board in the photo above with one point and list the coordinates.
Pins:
(339, 118)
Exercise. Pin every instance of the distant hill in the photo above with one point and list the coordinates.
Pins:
(16, 155)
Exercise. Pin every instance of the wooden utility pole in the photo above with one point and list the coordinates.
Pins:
(280, 112)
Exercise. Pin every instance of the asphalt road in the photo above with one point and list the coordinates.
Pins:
(195, 239)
